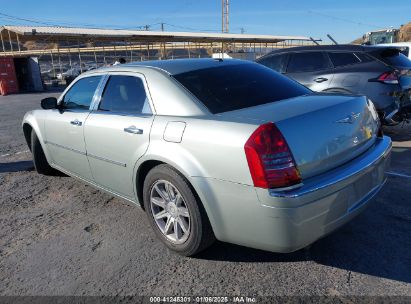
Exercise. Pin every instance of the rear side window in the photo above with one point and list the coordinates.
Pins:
(343, 58)
(307, 62)
(234, 87)
(80, 95)
(275, 62)
(125, 94)
(398, 60)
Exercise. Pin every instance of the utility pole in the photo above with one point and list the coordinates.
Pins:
(147, 27)
(224, 16)
(162, 26)
(242, 30)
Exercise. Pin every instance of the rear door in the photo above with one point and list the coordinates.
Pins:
(276, 62)
(311, 69)
(64, 127)
(117, 131)
(350, 73)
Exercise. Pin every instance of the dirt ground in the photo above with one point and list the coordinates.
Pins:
(59, 236)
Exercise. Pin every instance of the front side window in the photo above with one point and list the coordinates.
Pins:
(307, 62)
(343, 58)
(125, 94)
(81, 93)
(233, 87)
(275, 62)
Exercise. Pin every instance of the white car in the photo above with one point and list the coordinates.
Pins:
(71, 72)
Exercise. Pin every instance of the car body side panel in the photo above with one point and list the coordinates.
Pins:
(209, 147)
(309, 79)
(65, 141)
(112, 160)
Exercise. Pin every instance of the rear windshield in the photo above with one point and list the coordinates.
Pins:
(234, 87)
(394, 58)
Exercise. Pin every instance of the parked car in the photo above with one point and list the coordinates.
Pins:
(224, 149)
(49, 74)
(73, 72)
(382, 74)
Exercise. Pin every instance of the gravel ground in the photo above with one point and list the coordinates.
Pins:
(59, 236)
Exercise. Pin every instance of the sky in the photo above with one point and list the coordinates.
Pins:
(345, 20)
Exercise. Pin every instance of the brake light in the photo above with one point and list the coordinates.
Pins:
(269, 159)
(388, 77)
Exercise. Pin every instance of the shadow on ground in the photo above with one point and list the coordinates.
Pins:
(401, 160)
(18, 166)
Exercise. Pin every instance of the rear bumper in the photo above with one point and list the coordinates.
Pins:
(289, 220)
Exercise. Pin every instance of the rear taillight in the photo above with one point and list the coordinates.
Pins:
(269, 159)
(388, 77)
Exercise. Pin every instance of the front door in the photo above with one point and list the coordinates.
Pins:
(64, 127)
(117, 132)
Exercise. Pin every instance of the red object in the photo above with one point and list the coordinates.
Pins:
(389, 78)
(270, 160)
(8, 79)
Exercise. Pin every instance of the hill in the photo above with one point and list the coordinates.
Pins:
(404, 34)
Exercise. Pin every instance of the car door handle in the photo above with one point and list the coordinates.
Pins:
(320, 79)
(76, 122)
(133, 130)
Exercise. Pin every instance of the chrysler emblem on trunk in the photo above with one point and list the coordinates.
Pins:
(350, 118)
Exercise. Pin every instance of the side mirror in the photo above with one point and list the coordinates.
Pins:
(49, 103)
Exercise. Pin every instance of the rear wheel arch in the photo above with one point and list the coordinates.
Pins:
(161, 170)
(147, 166)
(142, 172)
(338, 90)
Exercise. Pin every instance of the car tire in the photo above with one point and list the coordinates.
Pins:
(39, 158)
(200, 234)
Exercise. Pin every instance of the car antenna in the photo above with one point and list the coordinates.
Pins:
(332, 39)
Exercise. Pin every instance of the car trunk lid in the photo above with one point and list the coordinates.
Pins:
(323, 131)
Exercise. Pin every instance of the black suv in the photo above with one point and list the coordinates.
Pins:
(383, 74)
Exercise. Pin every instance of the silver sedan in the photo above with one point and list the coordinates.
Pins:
(215, 149)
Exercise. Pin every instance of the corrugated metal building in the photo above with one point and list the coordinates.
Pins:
(60, 50)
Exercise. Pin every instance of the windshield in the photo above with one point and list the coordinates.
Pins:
(394, 57)
(234, 87)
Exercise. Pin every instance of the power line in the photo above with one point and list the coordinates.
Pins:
(188, 28)
(343, 19)
(58, 23)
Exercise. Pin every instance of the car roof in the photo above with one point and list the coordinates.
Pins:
(175, 66)
(395, 44)
(338, 47)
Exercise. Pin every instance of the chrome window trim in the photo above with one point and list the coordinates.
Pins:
(61, 97)
(325, 56)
